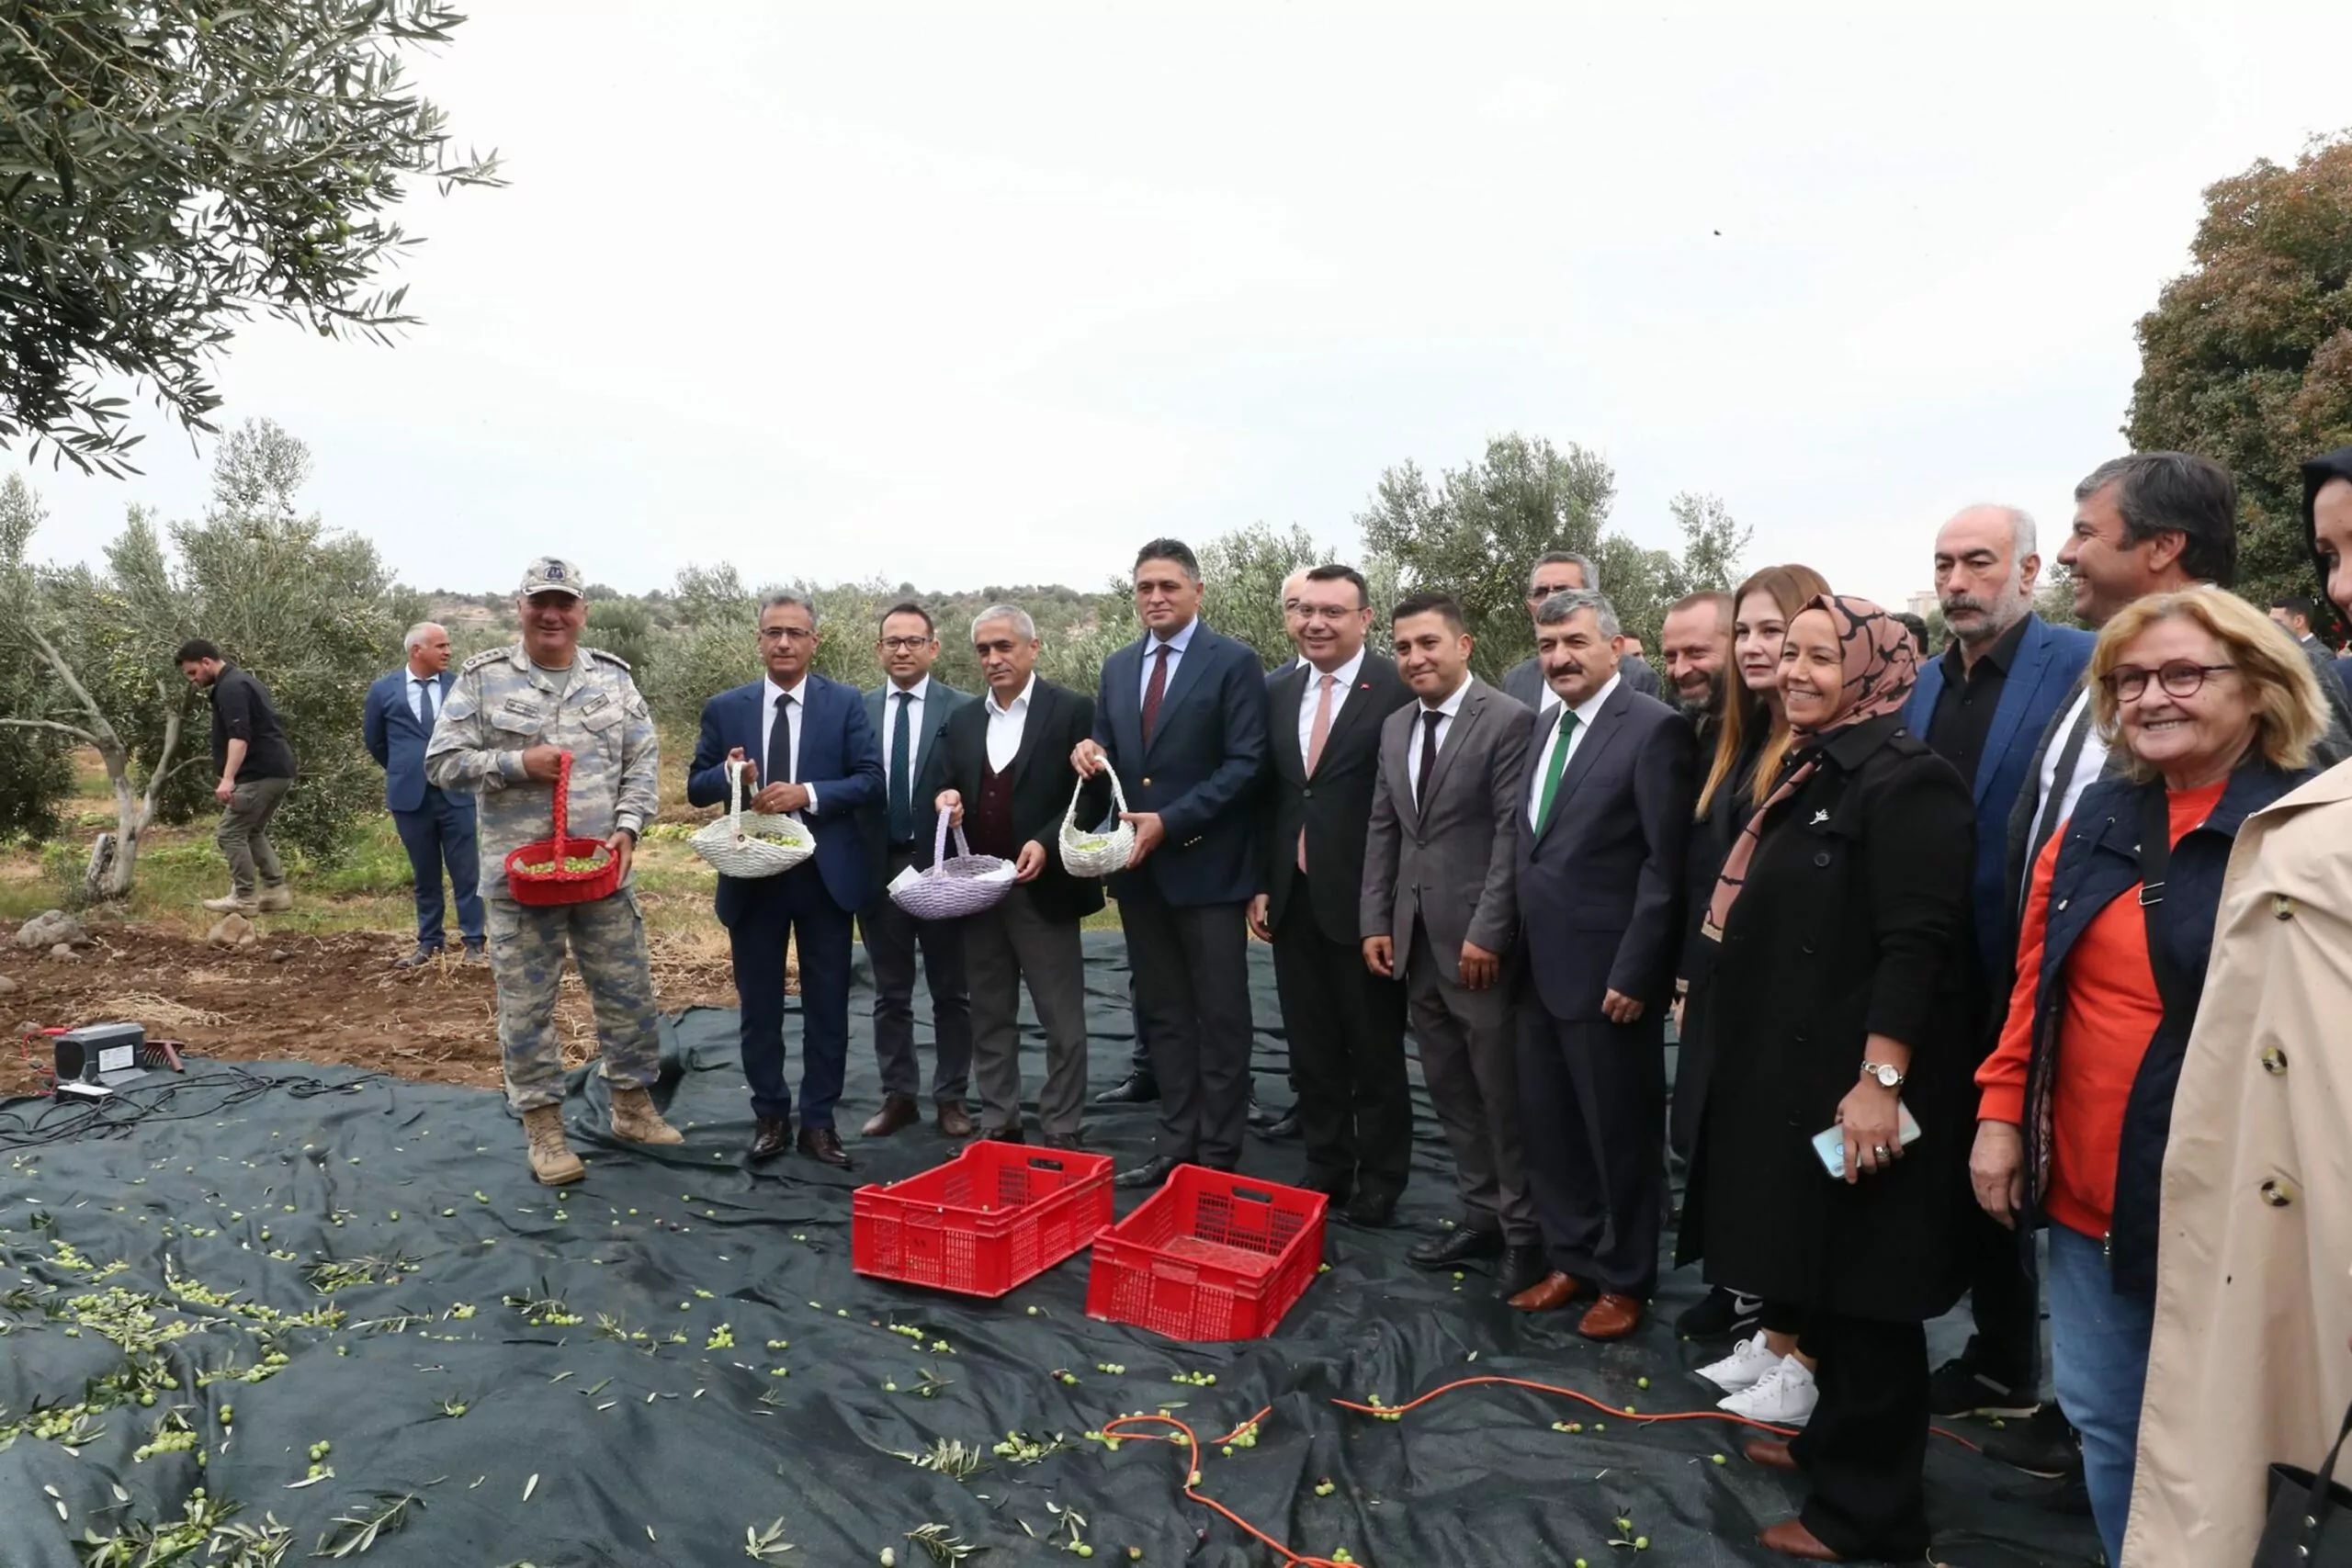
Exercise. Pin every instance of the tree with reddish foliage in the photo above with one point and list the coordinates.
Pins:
(2247, 357)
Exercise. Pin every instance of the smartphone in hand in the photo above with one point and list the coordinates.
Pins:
(1830, 1146)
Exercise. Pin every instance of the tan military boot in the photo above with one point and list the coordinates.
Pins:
(635, 1119)
(271, 899)
(552, 1160)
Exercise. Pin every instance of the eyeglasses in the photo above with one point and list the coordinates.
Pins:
(2180, 679)
(1335, 614)
(903, 644)
(786, 634)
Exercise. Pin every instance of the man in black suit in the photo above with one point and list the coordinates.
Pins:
(1611, 786)
(1346, 1024)
(1181, 715)
(1006, 762)
(908, 712)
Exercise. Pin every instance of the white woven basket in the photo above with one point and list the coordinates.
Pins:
(1096, 855)
(956, 886)
(750, 843)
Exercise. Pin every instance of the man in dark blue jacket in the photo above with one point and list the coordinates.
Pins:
(805, 744)
(1982, 706)
(1180, 718)
(436, 828)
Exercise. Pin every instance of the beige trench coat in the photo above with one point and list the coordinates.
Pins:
(2249, 1362)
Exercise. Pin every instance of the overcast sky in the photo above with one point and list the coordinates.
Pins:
(990, 294)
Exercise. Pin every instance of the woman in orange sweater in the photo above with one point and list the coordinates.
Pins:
(2214, 712)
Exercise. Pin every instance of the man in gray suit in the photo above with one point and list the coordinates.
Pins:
(910, 712)
(1440, 906)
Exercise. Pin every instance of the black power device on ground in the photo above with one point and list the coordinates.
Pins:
(93, 1060)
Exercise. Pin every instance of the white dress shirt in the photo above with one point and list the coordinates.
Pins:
(416, 685)
(1586, 712)
(1449, 708)
(770, 773)
(1344, 682)
(920, 690)
(1176, 647)
(1005, 727)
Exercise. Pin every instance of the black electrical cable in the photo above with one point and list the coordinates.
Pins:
(64, 1118)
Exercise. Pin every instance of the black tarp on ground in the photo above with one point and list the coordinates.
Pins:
(665, 1449)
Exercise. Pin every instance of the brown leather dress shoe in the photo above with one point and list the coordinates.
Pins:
(898, 1111)
(1790, 1538)
(1611, 1318)
(771, 1135)
(1550, 1294)
(824, 1145)
(953, 1120)
(1771, 1453)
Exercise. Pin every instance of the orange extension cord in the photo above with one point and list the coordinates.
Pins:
(1125, 1429)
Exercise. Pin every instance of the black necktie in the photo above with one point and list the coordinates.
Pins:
(780, 744)
(1431, 719)
(425, 697)
(902, 800)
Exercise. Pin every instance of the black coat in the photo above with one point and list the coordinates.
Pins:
(1042, 781)
(1710, 839)
(1334, 807)
(1854, 922)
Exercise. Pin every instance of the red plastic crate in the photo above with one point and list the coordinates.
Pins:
(1210, 1256)
(995, 1215)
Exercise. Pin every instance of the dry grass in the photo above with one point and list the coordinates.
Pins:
(160, 1013)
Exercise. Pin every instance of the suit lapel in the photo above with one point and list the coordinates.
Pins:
(1604, 726)
(1123, 694)
(1288, 696)
(1457, 736)
(1359, 705)
(937, 713)
(1180, 684)
(2017, 693)
(1043, 702)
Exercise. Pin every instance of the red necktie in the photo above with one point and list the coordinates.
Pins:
(1157, 690)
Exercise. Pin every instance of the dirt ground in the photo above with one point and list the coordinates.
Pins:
(329, 997)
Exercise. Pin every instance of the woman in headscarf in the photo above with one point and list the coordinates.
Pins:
(1842, 918)
(1749, 743)
(2250, 1357)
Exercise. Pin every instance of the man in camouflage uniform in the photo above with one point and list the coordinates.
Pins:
(510, 717)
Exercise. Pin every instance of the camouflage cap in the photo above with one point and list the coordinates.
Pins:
(550, 575)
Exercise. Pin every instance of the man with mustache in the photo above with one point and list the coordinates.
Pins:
(1982, 706)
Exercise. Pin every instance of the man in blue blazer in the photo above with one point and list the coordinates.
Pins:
(1181, 717)
(808, 747)
(1982, 706)
(436, 828)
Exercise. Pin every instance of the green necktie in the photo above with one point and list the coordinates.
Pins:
(1559, 765)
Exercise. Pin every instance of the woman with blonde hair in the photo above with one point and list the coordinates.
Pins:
(2250, 1361)
(1750, 743)
(2215, 711)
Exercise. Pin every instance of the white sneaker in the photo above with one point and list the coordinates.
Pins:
(1785, 1397)
(1748, 1364)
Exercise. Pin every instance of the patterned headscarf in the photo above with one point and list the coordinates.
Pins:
(1880, 669)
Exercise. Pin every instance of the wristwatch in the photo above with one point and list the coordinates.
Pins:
(1888, 1077)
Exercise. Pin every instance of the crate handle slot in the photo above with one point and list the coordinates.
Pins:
(1046, 1162)
(1253, 1195)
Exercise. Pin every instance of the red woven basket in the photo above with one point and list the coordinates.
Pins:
(558, 886)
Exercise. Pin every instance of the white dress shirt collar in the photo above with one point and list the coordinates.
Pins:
(1453, 705)
(798, 692)
(1347, 674)
(1020, 703)
(921, 690)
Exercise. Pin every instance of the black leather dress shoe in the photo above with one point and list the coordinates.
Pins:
(771, 1135)
(1153, 1172)
(824, 1145)
(1284, 1127)
(422, 956)
(1458, 1245)
(1136, 1088)
(1065, 1141)
(1370, 1211)
(1521, 1268)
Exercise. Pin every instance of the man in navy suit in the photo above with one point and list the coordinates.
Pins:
(805, 744)
(436, 828)
(1180, 716)
(1610, 785)
(1982, 706)
(908, 712)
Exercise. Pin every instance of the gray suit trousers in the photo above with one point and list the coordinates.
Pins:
(1002, 947)
(1470, 1060)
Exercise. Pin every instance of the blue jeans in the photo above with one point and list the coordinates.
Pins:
(441, 832)
(2099, 1345)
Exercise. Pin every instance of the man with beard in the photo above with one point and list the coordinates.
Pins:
(1982, 706)
(1695, 641)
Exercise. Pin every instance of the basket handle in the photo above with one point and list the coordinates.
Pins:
(1069, 813)
(562, 802)
(734, 798)
(939, 840)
